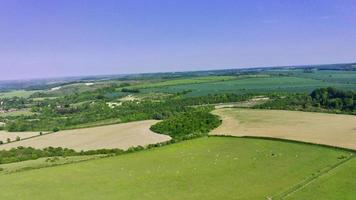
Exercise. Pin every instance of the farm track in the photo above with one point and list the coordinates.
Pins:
(283, 195)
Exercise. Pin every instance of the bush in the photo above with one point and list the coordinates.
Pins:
(130, 90)
(56, 129)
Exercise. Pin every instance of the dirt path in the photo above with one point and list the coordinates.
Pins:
(120, 136)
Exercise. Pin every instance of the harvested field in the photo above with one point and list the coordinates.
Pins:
(13, 135)
(122, 136)
(320, 128)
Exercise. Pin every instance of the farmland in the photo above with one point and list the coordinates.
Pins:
(294, 125)
(147, 136)
(44, 162)
(4, 135)
(208, 168)
(17, 93)
(253, 85)
(334, 185)
(122, 136)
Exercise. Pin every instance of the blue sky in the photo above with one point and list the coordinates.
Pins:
(41, 38)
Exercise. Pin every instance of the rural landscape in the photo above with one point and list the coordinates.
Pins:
(177, 100)
(289, 131)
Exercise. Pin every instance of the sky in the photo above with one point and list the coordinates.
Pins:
(42, 38)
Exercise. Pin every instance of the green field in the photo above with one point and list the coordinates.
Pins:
(336, 76)
(17, 93)
(44, 162)
(337, 184)
(184, 81)
(205, 168)
(253, 85)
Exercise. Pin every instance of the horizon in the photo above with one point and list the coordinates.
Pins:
(159, 72)
(89, 38)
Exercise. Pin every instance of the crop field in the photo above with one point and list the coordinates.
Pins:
(4, 135)
(122, 136)
(183, 81)
(334, 76)
(205, 168)
(253, 85)
(320, 128)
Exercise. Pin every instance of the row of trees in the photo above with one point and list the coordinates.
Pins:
(28, 153)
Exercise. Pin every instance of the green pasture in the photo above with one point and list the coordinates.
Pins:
(205, 168)
(184, 81)
(253, 85)
(17, 93)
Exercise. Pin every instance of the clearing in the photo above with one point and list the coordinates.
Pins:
(204, 168)
(320, 128)
(122, 136)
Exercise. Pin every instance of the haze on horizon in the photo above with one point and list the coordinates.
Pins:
(40, 38)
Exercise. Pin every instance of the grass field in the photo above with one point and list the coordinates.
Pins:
(205, 168)
(44, 162)
(334, 185)
(321, 128)
(336, 76)
(122, 136)
(183, 81)
(253, 85)
(17, 93)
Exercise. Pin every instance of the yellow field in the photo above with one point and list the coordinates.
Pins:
(13, 135)
(320, 128)
(122, 136)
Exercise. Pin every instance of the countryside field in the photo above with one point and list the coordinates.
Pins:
(206, 168)
(177, 100)
(44, 162)
(4, 135)
(16, 93)
(320, 128)
(122, 136)
(93, 124)
(253, 85)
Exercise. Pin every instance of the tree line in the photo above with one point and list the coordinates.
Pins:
(322, 100)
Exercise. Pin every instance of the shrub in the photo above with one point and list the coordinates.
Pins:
(56, 129)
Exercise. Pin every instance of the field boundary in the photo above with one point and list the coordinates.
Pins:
(288, 140)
